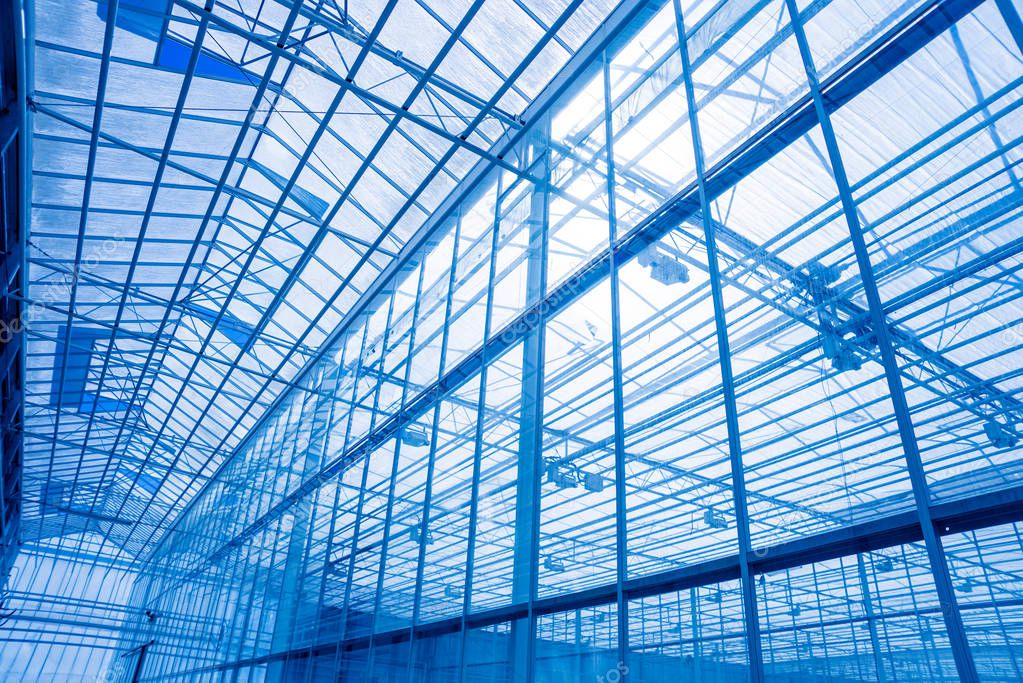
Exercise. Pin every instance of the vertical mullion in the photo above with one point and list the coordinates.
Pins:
(525, 572)
(319, 438)
(539, 227)
(914, 463)
(224, 646)
(849, 614)
(357, 527)
(621, 507)
(424, 533)
(868, 608)
(749, 597)
(324, 569)
(481, 406)
(395, 456)
(820, 621)
(286, 463)
(331, 526)
(243, 626)
(297, 549)
(920, 623)
(988, 581)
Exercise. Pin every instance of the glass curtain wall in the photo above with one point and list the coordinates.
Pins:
(718, 379)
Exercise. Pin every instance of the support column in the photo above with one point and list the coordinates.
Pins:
(481, 407)
(291, 600)
(352, 544)
(932, 541)
(868, 608)
(749, 595)
(415, 655)
(525, 563)
(621, 504)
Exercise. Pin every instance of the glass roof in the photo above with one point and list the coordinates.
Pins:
(214, 189)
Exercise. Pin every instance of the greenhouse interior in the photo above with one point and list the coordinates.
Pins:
(514, 341)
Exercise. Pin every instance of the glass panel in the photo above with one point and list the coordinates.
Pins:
(820, 446)
(577, 489)
(580, 645)
(938, 199)
(691, 635)
(679, 503)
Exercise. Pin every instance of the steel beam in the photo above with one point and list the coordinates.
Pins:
(955, 517)
(884, 54)
(914, 464)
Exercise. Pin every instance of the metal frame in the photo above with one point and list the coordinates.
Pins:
(15, 191)
(267, 457)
